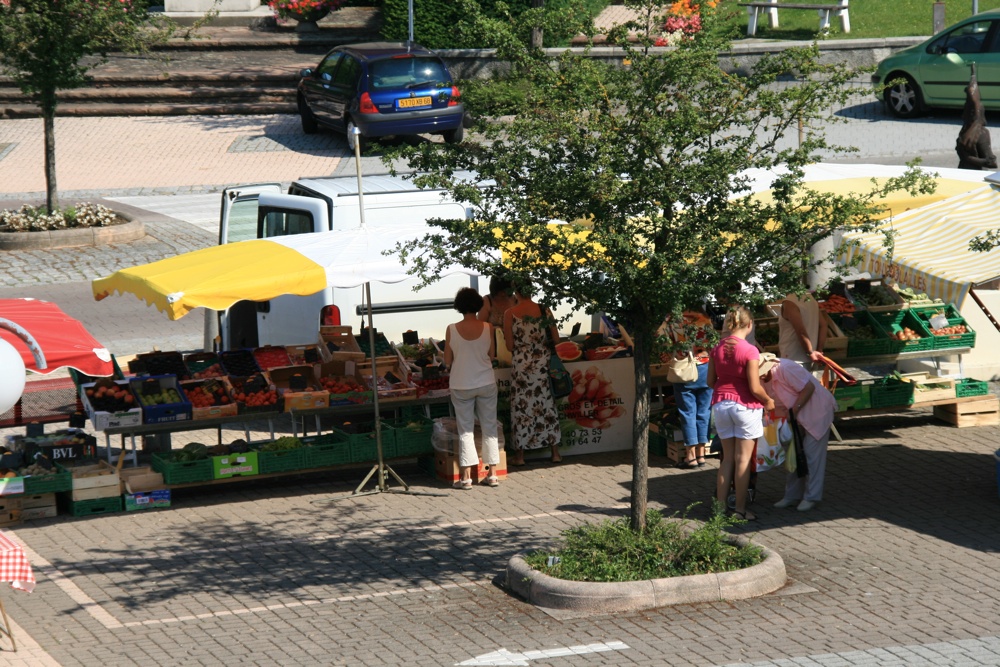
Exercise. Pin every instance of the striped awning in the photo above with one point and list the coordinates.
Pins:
(932, 246)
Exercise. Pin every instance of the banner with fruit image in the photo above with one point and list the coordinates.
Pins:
(597, 416)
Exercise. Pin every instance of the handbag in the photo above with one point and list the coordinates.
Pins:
(560, 379)
(682, 371)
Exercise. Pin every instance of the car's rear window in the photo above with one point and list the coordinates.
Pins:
(402, 72)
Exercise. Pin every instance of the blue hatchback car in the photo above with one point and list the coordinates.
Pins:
(381, 88)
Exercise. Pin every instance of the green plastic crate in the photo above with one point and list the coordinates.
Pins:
(283, 461)
(61, 481)
(91, 507)
(363, 446)
(185, 472)
(971, 388)
(657, 443)
(854, 397)
(413, 436)
(331, 449)
(893, 322)
(892, 394)
(968, 339)
(863, 347)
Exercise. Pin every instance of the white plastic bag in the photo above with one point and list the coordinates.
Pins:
(770, 452)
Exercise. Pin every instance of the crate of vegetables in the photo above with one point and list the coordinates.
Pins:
(874, 296)
(345, 388)
(184, 466)
(865, 336)
(947, 326)
(837, 303)
(254, 393)
(969, 387)
(203, 365)
(110, 404)
(210, 398)
(299, 388)
(306, 354)
(413, 436)
(431, 385)
(285, 454)
(271, 356)
(239, 363)
(907, 332)
(329, 449)
(382, 346)
(159, 363)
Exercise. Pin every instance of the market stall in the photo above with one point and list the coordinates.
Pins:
(932, 258)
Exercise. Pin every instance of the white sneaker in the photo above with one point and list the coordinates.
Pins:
(806, 505)
(785, 502)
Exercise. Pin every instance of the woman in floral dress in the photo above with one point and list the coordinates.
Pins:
(533, 411)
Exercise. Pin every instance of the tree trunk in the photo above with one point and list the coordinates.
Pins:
(640, 430)
(51, 191)
(536, 33)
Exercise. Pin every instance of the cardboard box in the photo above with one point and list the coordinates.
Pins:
(147, 500)
(126, 474)
(235, 465)
(11, 486)
(307, 354)
(103, 420)
(447, 470)
(161, 413)
(392, 369)
(340, 343)
(143, 492)
(309, 397)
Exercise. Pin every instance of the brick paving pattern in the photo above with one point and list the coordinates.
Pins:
(898, 565)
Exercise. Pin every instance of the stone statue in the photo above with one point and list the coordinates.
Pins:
(973, 146)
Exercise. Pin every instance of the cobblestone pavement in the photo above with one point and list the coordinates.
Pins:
(898, 565)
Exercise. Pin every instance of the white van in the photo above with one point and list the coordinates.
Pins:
(329, 204)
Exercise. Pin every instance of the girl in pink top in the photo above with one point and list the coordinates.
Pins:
(738, 405)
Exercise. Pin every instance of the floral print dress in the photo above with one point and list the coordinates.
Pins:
(533, 410)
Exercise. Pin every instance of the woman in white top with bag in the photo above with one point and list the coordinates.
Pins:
(469, 348)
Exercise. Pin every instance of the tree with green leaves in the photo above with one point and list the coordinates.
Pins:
(647, 161)
(51, 45)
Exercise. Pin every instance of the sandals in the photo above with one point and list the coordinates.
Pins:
(701, 461)
(464, 484)
(743, 515)
(688, 465)
(492, 480)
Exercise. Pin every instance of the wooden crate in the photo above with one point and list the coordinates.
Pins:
(984, 412)
(927, 389)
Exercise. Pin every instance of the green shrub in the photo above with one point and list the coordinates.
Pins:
(612, 551)
(440, 24)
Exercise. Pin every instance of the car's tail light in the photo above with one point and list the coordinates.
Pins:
(456, 95)
(366, 104)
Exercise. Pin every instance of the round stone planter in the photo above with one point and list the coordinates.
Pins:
(70, 238)
(551, 593)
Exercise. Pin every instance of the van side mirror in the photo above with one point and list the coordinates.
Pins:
(306, 73)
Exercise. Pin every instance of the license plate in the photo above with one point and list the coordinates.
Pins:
(413, 102)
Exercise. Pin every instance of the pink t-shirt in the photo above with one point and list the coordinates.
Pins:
(730, 357)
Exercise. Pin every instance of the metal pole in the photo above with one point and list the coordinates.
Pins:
(975, 7)
(409, 5)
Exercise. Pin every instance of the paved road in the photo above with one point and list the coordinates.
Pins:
(897, 567)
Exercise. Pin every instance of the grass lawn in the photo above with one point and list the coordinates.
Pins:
(869, 18)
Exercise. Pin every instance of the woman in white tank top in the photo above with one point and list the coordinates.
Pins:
(469, 348)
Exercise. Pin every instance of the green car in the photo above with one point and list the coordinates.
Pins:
(936, 72)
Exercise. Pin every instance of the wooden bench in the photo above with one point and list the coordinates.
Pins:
(771, 7)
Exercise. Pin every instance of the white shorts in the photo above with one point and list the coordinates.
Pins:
(733, 420)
